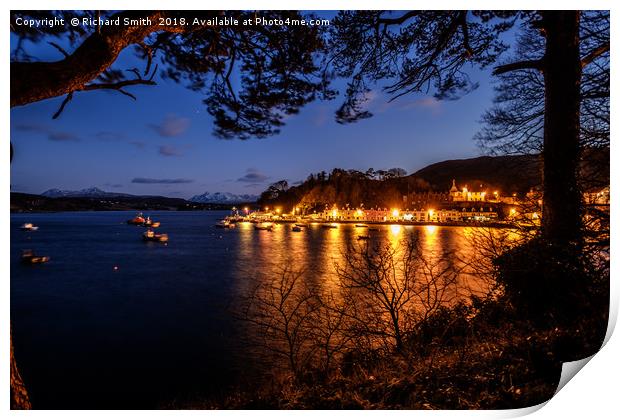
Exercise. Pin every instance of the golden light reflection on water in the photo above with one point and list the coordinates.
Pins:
(317, 250)
(395, 230)
(430, 230)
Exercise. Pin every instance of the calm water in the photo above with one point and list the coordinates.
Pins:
(159, 327)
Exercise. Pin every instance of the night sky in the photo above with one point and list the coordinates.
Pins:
(163, 144)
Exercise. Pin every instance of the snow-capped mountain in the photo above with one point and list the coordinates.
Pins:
(223, 198)
(86, 192)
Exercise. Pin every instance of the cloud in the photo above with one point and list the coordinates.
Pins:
(321, 116)
(109, 136)
(32, 127)
(62, 136)
(427, 103)
(140, 180)
(253, 176)
(171, 126)
(51, 134)
(168, 150)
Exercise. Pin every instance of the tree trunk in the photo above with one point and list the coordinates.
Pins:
(19, 395)
(33, 81)
(562, 71)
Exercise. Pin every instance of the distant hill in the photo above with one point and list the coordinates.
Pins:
(87, 192)
(21, 202)
(508, 174)
(223, 198)
(504, 173)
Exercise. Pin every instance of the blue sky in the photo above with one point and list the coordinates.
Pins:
(163, 143)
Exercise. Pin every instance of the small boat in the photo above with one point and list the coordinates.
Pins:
(29, 257)
(151, 236)
(225, 224)
(331, 226)
(301, 224)
(296, 228)
(138, 220)
(363, 237)
(222, 224)
(263, 226)
(29, 227)
(361, 225)
(149, 223)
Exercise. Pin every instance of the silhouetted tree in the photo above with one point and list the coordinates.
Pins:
(252, 76)
(515, 124)
(389, 290)
(396, 172)
(423, 51)
(274, 191)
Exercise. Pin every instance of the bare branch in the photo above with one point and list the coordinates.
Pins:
(594, 54)
(62, 106)
(117, 85)
(399, 20)
(519, 65)
(59, 48)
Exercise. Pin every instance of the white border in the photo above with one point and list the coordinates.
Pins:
(592, 394)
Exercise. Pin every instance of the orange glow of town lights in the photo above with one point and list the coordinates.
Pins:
(395, 212)
(395, 229)
(430, 229)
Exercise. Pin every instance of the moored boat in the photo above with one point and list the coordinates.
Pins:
(264, 226)
(150, 235)
(150, 223)
(29, 257)
(138, 220)
(225, 224)
(296, 229)
(29, 227)
(330, 226)
(361, 225)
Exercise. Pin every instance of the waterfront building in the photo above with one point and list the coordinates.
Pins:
(466, 195)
